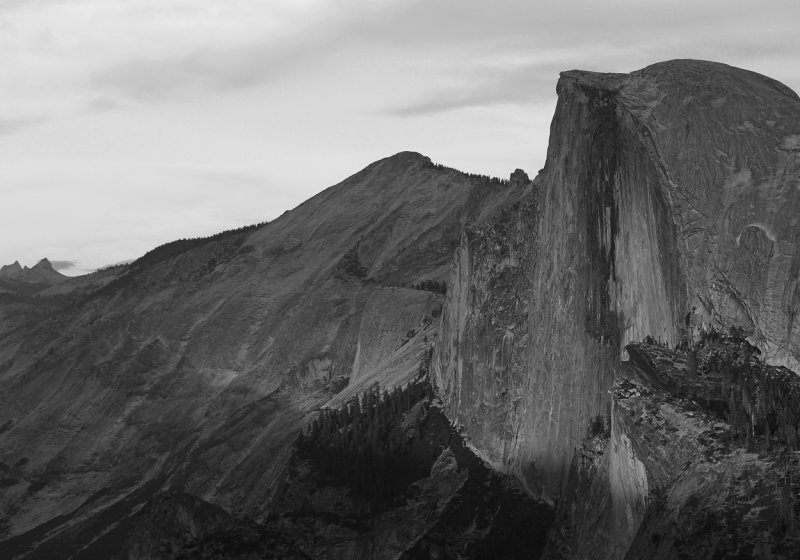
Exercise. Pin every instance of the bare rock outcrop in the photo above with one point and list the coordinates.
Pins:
(667, 206)
(697, 459)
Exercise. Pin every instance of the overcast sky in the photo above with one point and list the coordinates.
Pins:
(125, 124)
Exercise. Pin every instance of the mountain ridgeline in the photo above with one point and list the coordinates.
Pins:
(421, 363)
(195, 368)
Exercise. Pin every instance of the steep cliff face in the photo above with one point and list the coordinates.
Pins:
(480, 363)
(195, 367)
(727, 140)
(668, 205)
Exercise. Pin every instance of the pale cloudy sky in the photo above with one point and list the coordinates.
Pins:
(125, 124)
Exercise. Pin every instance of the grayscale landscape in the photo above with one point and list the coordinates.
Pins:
(595, 359)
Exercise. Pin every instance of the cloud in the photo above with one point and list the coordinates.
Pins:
(146, 50)
(63, 265)
(14, 125)
(307, 41)
(57, 52)
(267, 87)
(111, 265)
(511, 74)
(484, 88)
(102, 104)
(476, 65)
(196, 73)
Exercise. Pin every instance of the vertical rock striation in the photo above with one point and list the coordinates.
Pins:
(479, 366)
(668, 205)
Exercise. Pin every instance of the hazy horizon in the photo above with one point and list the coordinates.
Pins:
(128, 124)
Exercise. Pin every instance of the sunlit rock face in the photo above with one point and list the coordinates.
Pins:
(668, 204)
(479, 365)
(727, 142)
(389, 316)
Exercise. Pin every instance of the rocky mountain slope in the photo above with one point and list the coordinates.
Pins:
(698, 459)
(617, 334)
(668, 207)
(195, 367)
(384, 477)
(668, 204)
(28, 295)
(19, 284)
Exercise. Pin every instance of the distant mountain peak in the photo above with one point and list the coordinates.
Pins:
(409, 155)
(405, 159)
(44, 264)
(41, 273)
(10, 270)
